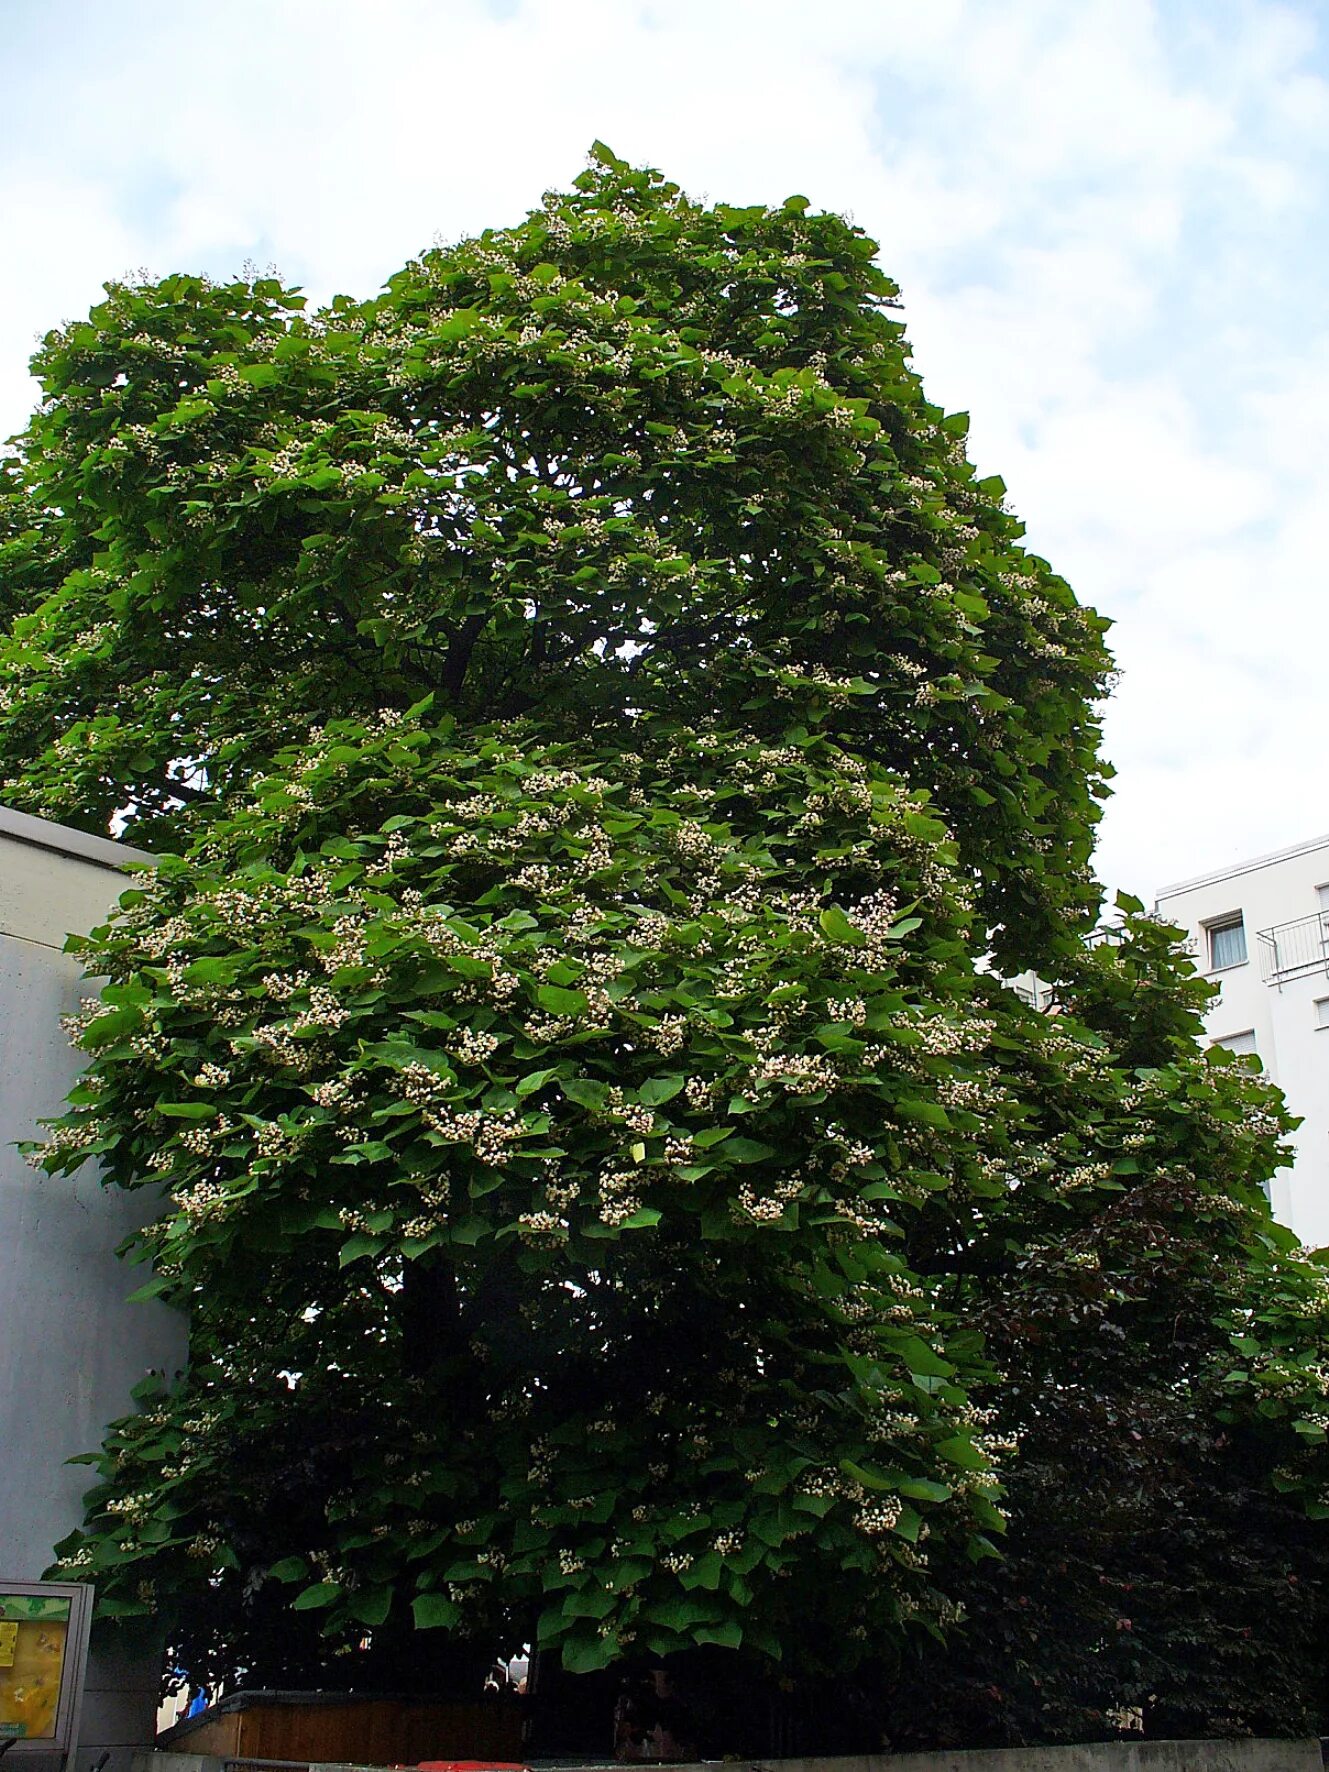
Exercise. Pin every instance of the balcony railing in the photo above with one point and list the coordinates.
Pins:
(1107, 934)
(1290, 949)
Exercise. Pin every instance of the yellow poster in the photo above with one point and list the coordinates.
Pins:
(32, 1652)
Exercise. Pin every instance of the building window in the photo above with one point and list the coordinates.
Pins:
(1227, 942)
(1242, 1043)
(1322, 1012)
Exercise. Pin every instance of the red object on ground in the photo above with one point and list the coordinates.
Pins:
(471, 1766)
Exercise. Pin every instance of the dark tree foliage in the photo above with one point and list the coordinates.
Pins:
(598, 730)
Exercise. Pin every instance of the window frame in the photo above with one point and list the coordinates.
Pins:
(1214, 926)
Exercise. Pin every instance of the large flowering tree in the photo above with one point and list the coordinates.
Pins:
(530, 1190)
(597, 726)
(633, 455)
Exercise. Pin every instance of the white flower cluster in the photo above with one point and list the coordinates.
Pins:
(280, 1049)
(618, 1196)
(64, 1141)
(668, 1034)
(489, 1134)
(967, 1093)
(203, 1201)
(474, 1047)
(396, 849)
(282, 986)
(854, 1154)
(879, 1515)
(767, 1208)
(334, 1093)
(854, 1217)
(325, 1011)
(542, 1227)
(133, 1509)
(349, 947)
(701, 1092)
(272, 1142)
(1082, 1176)
(202, 1141)
(562, 1194)
(424, 1087)
(77, 1024)
(797, 1073)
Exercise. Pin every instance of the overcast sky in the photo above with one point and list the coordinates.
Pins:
(1109, 219)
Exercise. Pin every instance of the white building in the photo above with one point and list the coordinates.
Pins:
(71, 1345)
(1260, 931)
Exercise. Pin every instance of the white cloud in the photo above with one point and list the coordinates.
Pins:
(1104, 218)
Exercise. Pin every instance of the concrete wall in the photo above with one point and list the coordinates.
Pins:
(1105, 1756)
(1281, 1014)
(71, 1348)
(1094, 1756)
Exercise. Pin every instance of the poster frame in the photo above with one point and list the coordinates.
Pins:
(73, 1672)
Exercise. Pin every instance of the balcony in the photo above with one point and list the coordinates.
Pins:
(1290, 950)
(1106, 935)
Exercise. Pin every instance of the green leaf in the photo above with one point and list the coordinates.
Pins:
(924, 1489)
(656, 1090)
(584, 1092)
(745, 1150)
(680, 1612)
(357, 1246)
(372, 1606)
(586, 1655)
(434, 1612)
(962, 1451)
(560, 1001)
(920, 1358)
(837, 926)
(323, 1593)
(867, 1476)
(710, 1135)
(110, 1027)
(590, 1603)
(533, 1080)
(928, 1113)
(158, 1284)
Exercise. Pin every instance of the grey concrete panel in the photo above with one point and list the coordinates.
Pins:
(1244, 1755)
(71, 1346)
(175, 1763)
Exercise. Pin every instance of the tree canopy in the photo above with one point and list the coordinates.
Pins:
(598, 732)
(633, 455)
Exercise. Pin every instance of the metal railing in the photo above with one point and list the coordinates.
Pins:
(1106, 935)
(1289, 949)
